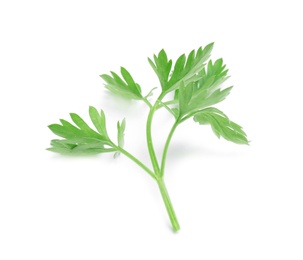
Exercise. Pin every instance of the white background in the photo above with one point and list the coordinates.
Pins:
(233, 202)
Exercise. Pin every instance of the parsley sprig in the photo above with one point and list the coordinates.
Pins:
(196, 83)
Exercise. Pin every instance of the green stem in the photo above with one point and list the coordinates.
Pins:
(166, 107)
(167, 103)
(157, 170)
(168, 205)
(166, 146)
(149, 139)
(137, 161)
(147, 102)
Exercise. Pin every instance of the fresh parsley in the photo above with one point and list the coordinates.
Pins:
(196, 83)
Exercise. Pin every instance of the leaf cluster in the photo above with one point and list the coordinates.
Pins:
(80, 138)
(197, 85)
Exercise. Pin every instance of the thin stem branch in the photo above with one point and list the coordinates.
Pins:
(147, 102)
(170, 102)
(149, 139)
(164, 155)
(137, 161)
(161, 104)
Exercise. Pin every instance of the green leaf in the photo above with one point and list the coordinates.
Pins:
(62, 131)
(188, 70)
(184, 69)
(83, 126)
(185, 95)
(81, 138)
(221, 125)
(62, 144)
(162, 67)
(203, 100)
(205, 91)
(98, 120)
(121, 129)
(63, 147)
(125, 87)
(214, 76)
